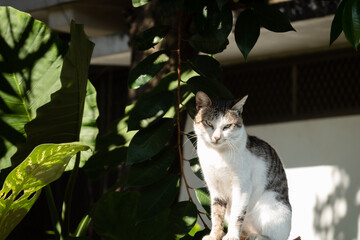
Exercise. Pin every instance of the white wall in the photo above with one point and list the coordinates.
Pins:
(322, 160)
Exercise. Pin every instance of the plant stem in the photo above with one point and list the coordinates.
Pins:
(179, 132)
(55, 220)
(83, 226)
(66, 209)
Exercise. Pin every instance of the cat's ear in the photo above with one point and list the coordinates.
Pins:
(239, 105)
(202, 100)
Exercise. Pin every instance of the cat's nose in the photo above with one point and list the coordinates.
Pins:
(217, 138)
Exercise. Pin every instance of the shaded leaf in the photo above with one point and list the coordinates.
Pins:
(204, 198)
(114, 215)
(45, 164)
(211, 44)
(157, 197)
(149, 172)
(155, 228)
(221, 3)
(104, 161)
(183, 217)
(271, 18)
(149, 108)
(150, 37)
(147, 69)
(149, 141)
(351, 22)
(247, 31)
(211, 87)
(205, 65)
(30, 65)
(336, 25)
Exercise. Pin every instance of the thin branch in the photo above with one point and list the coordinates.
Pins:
(179, 132)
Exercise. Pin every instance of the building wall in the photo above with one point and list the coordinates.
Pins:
(322, 158)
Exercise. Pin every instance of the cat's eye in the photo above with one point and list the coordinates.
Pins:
(227, 126)
(209, 123)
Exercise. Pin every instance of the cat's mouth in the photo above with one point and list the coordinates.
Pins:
(218, 142)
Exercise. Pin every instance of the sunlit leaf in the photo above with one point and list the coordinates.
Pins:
(149, 141)
(30, 65)
(60, 120)
(204, 198)
(183, 217)
(150, 37)
(45, 164)
(149, 108)
(247, 31)
(139, 3)
(147, 69)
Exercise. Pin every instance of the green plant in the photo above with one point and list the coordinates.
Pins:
(143, 203)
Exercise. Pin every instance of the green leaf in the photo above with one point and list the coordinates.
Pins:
(104, 161)
(183, 217)
(155, 228)
(114, 215)
(221, 3)
(60, 120)
(209, 20)
(247, 31)
(211, 45)
(147, 69)
(150, 37)
(157, 197)
(204, 198)
(336, 25)
(149, 141)
(149, 172)
(211, 87)
(45, 164)
(30, 65)
(213, 27)
(195, 167)
(149, 108)
(271, 18)
(139, 3)
(205, 65)
(351, 22)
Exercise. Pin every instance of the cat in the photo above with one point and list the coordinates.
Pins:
(245, 177)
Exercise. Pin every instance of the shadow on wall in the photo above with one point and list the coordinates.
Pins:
(337, 215)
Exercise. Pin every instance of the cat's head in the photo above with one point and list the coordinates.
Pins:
(218, 123)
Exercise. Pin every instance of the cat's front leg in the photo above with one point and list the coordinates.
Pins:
(218, 209)
(239, 205)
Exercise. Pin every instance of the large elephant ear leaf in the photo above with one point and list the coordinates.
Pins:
(60, 120)
(30, 64)
(21, 188)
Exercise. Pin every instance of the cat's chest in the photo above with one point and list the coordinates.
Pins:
(217, 165)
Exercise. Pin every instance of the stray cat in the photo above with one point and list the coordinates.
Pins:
(244, 175)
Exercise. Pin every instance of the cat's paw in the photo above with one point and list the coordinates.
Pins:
(208, 237)
(230, 237)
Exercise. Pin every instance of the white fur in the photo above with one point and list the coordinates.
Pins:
(236, 175)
